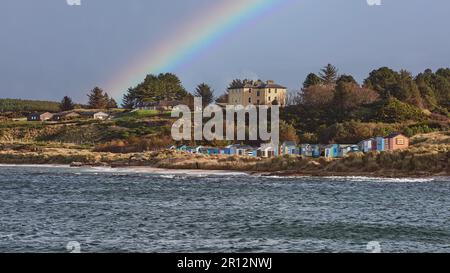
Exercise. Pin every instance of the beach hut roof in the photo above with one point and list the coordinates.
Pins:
(289, 143)
(394, 135)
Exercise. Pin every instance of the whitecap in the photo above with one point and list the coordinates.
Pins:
(381, 179)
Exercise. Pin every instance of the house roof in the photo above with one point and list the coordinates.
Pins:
(394, 135)
(101, 113)
(41, 113)
(259, 85)
(92, 113)
(270, 85)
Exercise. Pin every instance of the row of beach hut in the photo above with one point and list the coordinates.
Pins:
(266, 150)
(388, 143)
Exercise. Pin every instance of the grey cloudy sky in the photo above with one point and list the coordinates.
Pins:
(49, 49)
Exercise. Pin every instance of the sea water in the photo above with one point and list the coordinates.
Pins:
(60, 209)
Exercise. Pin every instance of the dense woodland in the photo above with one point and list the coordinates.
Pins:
(335, 108)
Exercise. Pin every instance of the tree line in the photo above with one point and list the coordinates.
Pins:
(165, 86)
(19, 105)
(98, 99)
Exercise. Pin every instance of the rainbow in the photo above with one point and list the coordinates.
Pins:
(197, 35)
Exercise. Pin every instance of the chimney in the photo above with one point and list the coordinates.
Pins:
(270, 82)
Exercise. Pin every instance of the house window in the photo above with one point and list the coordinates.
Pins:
(257, 102)
(257, 93)
(400, 141)
(269, 90)
(249, 100)
(276, 91)
(269, 98)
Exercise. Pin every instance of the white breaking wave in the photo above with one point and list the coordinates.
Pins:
(381, 179)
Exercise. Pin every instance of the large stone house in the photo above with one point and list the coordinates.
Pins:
(258, 93)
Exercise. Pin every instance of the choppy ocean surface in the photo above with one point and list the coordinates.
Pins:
(43, 208)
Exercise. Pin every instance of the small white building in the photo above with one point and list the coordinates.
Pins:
(101, 116)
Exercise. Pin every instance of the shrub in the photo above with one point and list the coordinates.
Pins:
(393, 110)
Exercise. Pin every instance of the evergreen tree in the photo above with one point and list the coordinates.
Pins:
(112, 104)
(66, 104)
(329, 74)
(346, 79)
(98, 99)
(406, 89)
(340, 98)
(311, 79)
(155, 88)
(236, 83)
(444, 72)
(441, 84)
(205, 92)
(382, 80)
(129, 100)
